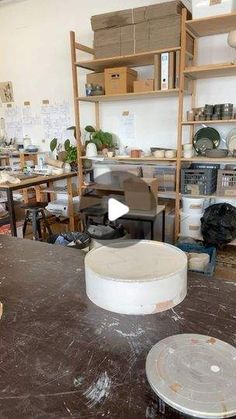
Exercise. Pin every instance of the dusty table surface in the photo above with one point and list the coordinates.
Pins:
(63, 357)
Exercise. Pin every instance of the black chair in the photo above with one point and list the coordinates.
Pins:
(34, 215)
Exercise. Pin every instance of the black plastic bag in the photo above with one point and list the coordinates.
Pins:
(219, 225)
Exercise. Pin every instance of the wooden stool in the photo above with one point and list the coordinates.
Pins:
(24, 157)
(34, 214)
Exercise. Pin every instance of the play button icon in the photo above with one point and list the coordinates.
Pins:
(116, 209)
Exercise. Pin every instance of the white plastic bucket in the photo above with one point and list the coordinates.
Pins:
(192, 205)
(190, 225)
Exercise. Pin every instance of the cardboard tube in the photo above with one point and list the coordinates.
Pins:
(54, 163)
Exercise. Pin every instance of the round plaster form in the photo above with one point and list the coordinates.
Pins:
(147, 277)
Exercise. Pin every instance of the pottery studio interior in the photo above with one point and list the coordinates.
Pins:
(117, 209)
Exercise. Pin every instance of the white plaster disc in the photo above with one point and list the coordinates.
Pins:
(136, 276)
(194, 374)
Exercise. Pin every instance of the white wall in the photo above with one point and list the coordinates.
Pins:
(35, 56)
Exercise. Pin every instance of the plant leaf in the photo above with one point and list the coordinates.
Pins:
(89, 128)
(67, 145)
(53, 144)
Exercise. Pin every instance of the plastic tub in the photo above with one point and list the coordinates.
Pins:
(190, 225)
(193, 205)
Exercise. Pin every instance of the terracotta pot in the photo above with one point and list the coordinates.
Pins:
(136, 154)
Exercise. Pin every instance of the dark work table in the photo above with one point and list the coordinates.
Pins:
(63, 357)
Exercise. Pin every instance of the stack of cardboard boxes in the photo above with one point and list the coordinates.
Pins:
(143, 29)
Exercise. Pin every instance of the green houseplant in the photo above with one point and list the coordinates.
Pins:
(100, 138)
(70, 153)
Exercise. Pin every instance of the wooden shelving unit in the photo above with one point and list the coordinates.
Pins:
(134, 60)
(199, 28)
(194, 28)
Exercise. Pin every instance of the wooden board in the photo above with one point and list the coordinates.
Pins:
(79, 360)
(212, 25)
(211, 71)
(130, 96)
(219, 121)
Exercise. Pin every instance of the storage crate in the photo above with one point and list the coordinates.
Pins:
(198, 181)
(226, 183)
(197, 248)
(166, 177)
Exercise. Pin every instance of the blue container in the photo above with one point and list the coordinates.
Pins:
(197, 248)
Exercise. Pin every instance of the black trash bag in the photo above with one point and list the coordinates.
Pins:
(219, 225)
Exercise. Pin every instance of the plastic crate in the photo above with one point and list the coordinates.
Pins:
(166, 178)
(226, 183)
(198, 181)
(197, 248)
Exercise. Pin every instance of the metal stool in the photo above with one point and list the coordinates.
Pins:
(34, 214)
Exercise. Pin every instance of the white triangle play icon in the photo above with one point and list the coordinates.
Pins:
(116, 209)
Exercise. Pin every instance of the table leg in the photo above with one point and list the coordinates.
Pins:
(11, 210)
(70, 204)
(152, 230)
(163, 225)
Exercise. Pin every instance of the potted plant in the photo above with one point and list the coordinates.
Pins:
(69, 155)
(103, 140)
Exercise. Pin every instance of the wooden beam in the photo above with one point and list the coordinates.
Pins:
(84, 48)
(76, 110)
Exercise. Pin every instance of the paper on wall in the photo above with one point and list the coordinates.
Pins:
(127, 126)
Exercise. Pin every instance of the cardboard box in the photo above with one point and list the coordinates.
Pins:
(119, 80)
(113, 50)
(146, 85)
(141, 193)
(127, 33)
(142, 30)
(107, 37)
(127, 48)
(96, 78)
(112, 19)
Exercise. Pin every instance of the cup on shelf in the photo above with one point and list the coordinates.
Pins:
(188, 154)
(110, 154)
(170, 154)
(188, 146)
(159, 154)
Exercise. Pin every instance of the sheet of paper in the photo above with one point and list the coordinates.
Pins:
(127, 126)
(55, 120)
(13, 121)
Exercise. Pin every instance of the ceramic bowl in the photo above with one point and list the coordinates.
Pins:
(218, 153)
(159, 154)
(170, 154)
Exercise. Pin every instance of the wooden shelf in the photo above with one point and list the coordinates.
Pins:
(212, 70)
(134, 60)
(201, 159)
(115, 188)
(212, 25)
(130, 96)
(219, 121)
(128, 159)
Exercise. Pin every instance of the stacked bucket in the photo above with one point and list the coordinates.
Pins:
(190, 216)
